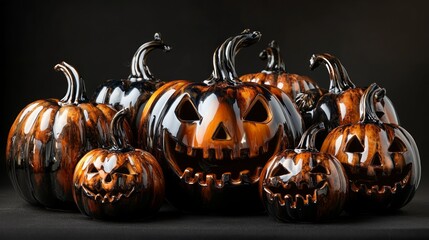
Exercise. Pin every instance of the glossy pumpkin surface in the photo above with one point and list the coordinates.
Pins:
(275, 74)
(381, 160)
(47, 139)
(119, 181)
(340, 105)
(214, 137)
(303, 184)
(134, 91)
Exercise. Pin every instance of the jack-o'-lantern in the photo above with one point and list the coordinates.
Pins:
(134, 91)
(214, 137)
(303, 184)
(381, 160)
(275, 74)
(119, 181)
(340, 105)
(48, 138)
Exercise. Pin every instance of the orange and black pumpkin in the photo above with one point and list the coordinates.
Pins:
(381, 159)
(118, 182)
(47, 139)
(275, 74)
(303, 184)
(134, 91)
(340, 105)
(214, 137)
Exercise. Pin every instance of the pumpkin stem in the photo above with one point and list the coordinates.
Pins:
(117, 131)
(274, 58)
(339, 79)
(139, 69)
(224, 57)
(372, 94)
(76, 92)
(308, 139)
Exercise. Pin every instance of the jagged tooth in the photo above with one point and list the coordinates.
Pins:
(226, 178)
(219, 153)
(308, 199)
(178, 148)
(266, 147)
(190, 151)
(254, 152)
(374, 189)
(199, 177)
(314, 198)
(289, 198)
(211, 179)
(244, 176)
(187, 174)
(299, 200)
(206, 153)
(277, 197)
(406, 179)
(303, 186)
(388, 188)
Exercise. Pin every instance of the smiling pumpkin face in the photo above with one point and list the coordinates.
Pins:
(214, 137)
(381, 160)
(303, 184)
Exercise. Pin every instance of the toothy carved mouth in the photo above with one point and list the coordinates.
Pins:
(219, 168)
(295, 196)
(370, 188)
(103, 196)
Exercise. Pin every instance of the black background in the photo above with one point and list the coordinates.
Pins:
(377, 41)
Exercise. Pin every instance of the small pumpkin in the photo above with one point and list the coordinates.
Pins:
(275, 74)
(303, 184)
(47, 139)
(381, 159)
(134, 91)
(118, 182)
(213, 137)
(340, 105)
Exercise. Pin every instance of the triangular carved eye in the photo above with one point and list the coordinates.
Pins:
(354, 145)
(257, 112)
(319, 169)
(282, 171)
(92, 169)
(397, 146)
(187, 112)
(122, 170)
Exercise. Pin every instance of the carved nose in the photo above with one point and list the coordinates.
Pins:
(221, 133)
(108, 178)
(376, 160)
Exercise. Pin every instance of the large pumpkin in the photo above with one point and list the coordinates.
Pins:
(118, 181)
(381, 160)
(303, 184)
(340, 105)
(275, 74)
(214, 137)
(134, 91)
(47, 139)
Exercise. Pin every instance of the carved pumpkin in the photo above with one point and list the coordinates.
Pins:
(381, 160)
(303, 184)
(275, 74)
(47, 139)
(134, 91)
(340, 105)
(118, 182)
(214, 137)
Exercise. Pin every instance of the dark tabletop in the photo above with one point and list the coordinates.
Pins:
(19, 220)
